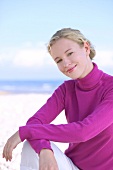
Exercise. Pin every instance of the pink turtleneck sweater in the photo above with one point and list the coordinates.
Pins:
(88, 105)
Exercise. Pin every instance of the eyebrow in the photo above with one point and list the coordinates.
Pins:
(64, 52)
(67, 50)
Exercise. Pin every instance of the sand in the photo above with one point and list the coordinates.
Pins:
(15, 109)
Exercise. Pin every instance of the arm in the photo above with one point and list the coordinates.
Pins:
(81, 131)
(47, 160)
(46, 114)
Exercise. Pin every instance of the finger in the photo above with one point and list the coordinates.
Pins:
(4, 151)
(3, 156)
(9, 152)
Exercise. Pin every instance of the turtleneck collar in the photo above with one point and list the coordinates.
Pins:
(91, 80)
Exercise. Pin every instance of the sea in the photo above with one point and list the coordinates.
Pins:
(29, 86)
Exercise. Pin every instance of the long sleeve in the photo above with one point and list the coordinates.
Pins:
(47, 113)
(75, 132)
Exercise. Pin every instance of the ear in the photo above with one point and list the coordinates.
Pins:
(87, 47)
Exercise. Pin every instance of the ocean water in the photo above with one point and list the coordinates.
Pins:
(29, 86)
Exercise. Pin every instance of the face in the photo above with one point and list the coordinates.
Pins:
(72, 59)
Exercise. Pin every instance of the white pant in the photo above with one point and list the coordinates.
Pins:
(29, 159)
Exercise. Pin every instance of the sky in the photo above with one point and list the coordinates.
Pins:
(27, 25)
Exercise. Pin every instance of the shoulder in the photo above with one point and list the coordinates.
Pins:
(107, 83)
(67, 85)
(107, 79)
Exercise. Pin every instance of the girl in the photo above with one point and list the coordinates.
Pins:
(88, 103)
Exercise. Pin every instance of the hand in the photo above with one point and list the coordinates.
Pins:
(47, 160)
(11, 144)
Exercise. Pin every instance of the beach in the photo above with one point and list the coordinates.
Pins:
(15, 109)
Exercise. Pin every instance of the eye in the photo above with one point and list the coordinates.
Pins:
(69, 53)
(59, 61)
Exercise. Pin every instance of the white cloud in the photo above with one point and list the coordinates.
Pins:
(104, 58)
(4, 59)
(32, 56)
(29, 57)
(7, 55)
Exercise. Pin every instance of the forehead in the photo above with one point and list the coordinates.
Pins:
(62, 45)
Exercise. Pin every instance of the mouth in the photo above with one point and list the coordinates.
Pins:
(71, 69)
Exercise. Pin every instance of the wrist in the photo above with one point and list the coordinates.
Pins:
(45, 151)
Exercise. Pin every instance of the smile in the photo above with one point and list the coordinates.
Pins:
(71, 69)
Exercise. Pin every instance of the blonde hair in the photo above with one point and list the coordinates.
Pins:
(74, 35)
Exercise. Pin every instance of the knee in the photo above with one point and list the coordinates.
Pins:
(29, 158)
(27, 149)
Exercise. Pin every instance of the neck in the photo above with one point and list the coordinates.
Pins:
(91, 79)
(88, 69)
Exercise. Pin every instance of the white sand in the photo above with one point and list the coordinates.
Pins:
(14, 112)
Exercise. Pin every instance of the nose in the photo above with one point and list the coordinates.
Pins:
(66, 63)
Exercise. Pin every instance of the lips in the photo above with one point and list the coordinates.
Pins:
(71, 69)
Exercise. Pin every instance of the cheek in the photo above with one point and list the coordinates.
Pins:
(60, 68)
(81, 57)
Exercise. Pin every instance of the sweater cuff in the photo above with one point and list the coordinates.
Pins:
(38, 145)
(24, 133)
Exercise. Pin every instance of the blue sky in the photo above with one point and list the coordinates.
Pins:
(27, 25)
